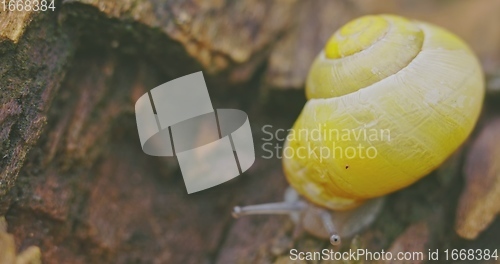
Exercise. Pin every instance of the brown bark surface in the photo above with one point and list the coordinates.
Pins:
(75, 182)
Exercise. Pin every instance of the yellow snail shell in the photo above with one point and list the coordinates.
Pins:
(417, 81)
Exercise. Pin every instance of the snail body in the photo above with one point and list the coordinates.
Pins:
(415, 80)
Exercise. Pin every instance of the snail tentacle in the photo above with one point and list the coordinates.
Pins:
(269, 208)
(327, 220)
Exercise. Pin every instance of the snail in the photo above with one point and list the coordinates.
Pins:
(415, 80)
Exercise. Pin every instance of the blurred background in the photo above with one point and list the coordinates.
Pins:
(74, 180)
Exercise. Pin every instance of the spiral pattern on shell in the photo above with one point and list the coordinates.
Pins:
(417, 81)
